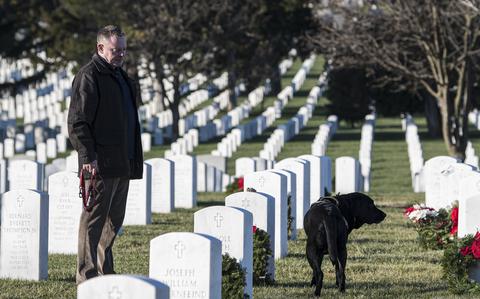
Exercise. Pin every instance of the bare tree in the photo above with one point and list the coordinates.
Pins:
(430, 44)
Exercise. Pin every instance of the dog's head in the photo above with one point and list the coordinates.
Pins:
(362, 209)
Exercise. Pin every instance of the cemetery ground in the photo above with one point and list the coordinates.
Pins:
(384, 261)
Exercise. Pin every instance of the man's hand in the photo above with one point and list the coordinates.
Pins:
(91, 167)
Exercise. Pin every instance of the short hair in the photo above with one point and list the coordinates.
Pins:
(108, 31)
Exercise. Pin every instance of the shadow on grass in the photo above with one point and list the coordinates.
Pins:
(293, 284)
(207, 203)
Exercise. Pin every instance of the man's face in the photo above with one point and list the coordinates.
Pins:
(113, 50)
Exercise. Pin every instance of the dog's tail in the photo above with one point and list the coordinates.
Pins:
(331, 230)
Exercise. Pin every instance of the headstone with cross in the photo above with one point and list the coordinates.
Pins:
(122, 287)
(262, 207)
(64, 213)
(24, 235)
(193, 270)
(162, 185)
(139, 199)
(275, 185)
(233, 226)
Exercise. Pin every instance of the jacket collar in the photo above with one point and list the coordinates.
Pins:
(103, 66)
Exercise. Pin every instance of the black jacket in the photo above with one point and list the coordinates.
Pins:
(97, 124)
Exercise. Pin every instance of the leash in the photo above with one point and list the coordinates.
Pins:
(88, 195)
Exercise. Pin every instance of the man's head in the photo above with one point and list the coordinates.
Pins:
(112, 45)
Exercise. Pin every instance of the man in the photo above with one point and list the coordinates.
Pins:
(104, 129)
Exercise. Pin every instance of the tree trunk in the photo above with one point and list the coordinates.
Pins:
(432, 115)
(454, 123)
(232, 80)
(276, 81)
(174, 105)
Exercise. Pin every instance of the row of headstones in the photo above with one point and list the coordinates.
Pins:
(324, 135)
(228, 145)
(221, 126)
(40, 151)
(446, 181)
(203, 116)
(164, 119)
(292, 127)
(287, 93)
(365, 152)
(415, 153)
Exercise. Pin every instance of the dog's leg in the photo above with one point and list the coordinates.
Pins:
(315, 261)
(342, 258)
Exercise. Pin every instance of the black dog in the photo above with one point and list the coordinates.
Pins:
(327, 225)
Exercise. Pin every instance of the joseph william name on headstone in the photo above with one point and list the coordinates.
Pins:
(189, 263)
(24, 235)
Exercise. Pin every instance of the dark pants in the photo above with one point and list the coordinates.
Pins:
(99, 228)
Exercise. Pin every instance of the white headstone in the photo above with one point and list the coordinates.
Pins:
(9, 148)
(243, 166)
(122, 287)
(262, 207)
(469, 205)
(275, 185)
(146, 142)
(185, 181)
(201, 177)
(24, 235)
(42, 152)
(433, 172)
(315, 177)
(232, 226)
(64, 213)
(25, 174)
(72, 162)
(162, 185)
(347, 175)
(51, 148)
(139, 199)
(301, 168)
(190, 264)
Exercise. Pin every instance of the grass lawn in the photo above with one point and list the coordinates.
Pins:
(384, 260)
